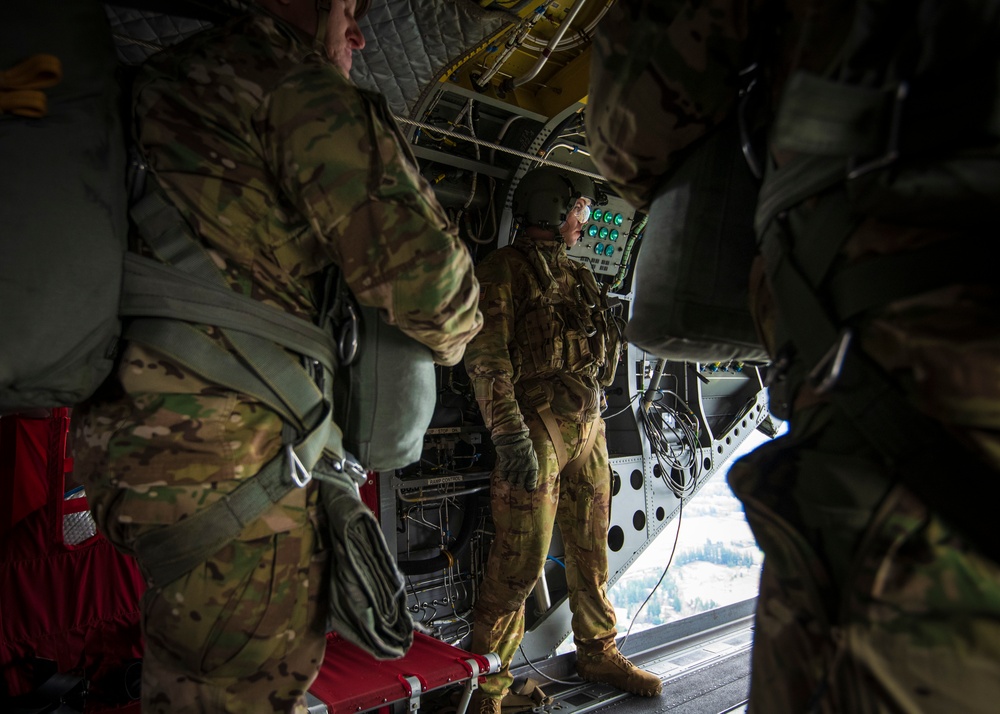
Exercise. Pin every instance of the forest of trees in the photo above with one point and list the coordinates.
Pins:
(667, 602)
(716, 552)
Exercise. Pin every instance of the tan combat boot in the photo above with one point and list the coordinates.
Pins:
(481, 703)
(612, 667)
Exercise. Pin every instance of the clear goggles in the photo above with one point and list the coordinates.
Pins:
(581, 209)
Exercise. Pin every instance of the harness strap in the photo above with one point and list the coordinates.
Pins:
(823, 116)
(578, 463)
(567, 467)
(188, 289)
(549, 420)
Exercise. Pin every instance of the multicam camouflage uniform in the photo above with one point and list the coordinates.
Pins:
(538, 307)
(870, 600)
(283, 168)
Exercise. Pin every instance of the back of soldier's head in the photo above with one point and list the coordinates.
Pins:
(545, 196)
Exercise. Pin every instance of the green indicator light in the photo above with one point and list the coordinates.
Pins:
(614, 235)
(608, 218)
(592, 231)
(604, 233)
(598, 213)
(619, 219)
(599, 249)
(609, 250)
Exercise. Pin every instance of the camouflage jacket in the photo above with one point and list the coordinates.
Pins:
(284, 168)
(546, 334)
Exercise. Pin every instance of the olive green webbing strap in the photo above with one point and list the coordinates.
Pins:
(169, 552)
(913, 444)
(555, 436)
(191, 290)
(567, 467)
(580, 460)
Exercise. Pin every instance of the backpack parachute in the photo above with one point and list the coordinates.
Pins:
(63, 213)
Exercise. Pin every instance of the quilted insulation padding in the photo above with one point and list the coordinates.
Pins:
(408, 41)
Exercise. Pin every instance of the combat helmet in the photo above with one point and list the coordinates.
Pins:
(545, 195)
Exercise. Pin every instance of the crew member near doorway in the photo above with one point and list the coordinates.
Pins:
(548, 347)
(875, 129)
(282, 168)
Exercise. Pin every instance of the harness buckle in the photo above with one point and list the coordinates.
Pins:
(828, 370)
(352, 468)
(892, 145)
(296, 467)
(347, 337)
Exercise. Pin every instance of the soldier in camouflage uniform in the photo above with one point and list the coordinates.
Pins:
(873, 597)
(548, 347)
(283, 168)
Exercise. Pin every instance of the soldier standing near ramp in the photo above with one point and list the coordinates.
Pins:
(880, 590)
(548, 347)
(282, 168)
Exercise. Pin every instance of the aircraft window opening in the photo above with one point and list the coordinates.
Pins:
(639, 520)
(616, 538)
(636, 479)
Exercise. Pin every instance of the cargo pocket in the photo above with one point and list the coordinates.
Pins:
(544, 338)
(585, 521)
(579, 358)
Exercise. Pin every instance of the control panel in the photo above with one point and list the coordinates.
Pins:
(602, 245)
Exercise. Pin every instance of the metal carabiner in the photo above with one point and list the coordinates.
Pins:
(296, 467)
(347, 338)
(828, 370)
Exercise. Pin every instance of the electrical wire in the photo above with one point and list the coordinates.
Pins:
(676, 456)
(670, 560)
(623, 409)
(498, 147)
(541, 673)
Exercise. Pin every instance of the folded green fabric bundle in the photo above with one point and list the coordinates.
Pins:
(367, 598)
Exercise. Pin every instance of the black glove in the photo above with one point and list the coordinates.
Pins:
(516, 460)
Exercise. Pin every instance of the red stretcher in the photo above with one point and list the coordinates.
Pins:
(352, 681)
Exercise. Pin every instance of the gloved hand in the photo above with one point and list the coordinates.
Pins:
(516, 460)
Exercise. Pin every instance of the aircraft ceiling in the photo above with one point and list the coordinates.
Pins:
(487, 49)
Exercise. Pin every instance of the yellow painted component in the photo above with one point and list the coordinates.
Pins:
(567, 86)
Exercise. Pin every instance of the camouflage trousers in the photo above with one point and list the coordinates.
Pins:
(869, 603)
(524, 522)
(245, 630)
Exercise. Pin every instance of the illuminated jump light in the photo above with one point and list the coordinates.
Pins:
(598, 214)
(614, 234)
(619, 219)
(592, 231)
(604, 233)
(609, 250)
(599, 249)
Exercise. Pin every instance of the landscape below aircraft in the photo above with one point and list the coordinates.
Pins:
(485, 92)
